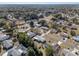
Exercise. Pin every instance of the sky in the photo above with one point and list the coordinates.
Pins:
(39, 2)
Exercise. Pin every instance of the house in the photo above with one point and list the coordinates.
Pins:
(44, 28)
(19, 51)
(37, 25)
(9, 16)
(1, 29)
(59, 42)
(4, 37)
(19, 23)
(23, 49)
(31, 34)
(7, 44)
(14, 52)
(76, 38)
(40, 15)
(60, 22)
(39, 38)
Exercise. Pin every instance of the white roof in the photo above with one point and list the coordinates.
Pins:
(59, 42)
(20, 50)
(75, 50)
(39, 38)
(31, 34)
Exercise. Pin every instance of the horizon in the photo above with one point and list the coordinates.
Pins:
(39, 2)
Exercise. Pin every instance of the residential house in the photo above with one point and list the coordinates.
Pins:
(31, 34)
(44, 28)
(14, 52)
(7, 44)
(37, 25)
(4, 37)
(20, 23)
(39, 39)
(19, 51)
(76, 38)
(9, 16)
(23, 49)
(40, 15)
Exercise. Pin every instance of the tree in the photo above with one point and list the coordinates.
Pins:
(22, 37)
(40, 53)
(7, 25)
(57, 15)
(54, 19)
(55, 26)
(30, 43)
(64, 28)
(10, 31)
(1, 24)
(49, 50)
(37, 52)
(31, 24)
(75, 20)
(31, 51)
(73, 33)
(42, 22)
(33, 16)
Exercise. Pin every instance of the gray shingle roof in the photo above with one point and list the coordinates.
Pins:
(7, 44)
(24, 49)
(18, 51)
(14, 52)
(3, 37)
